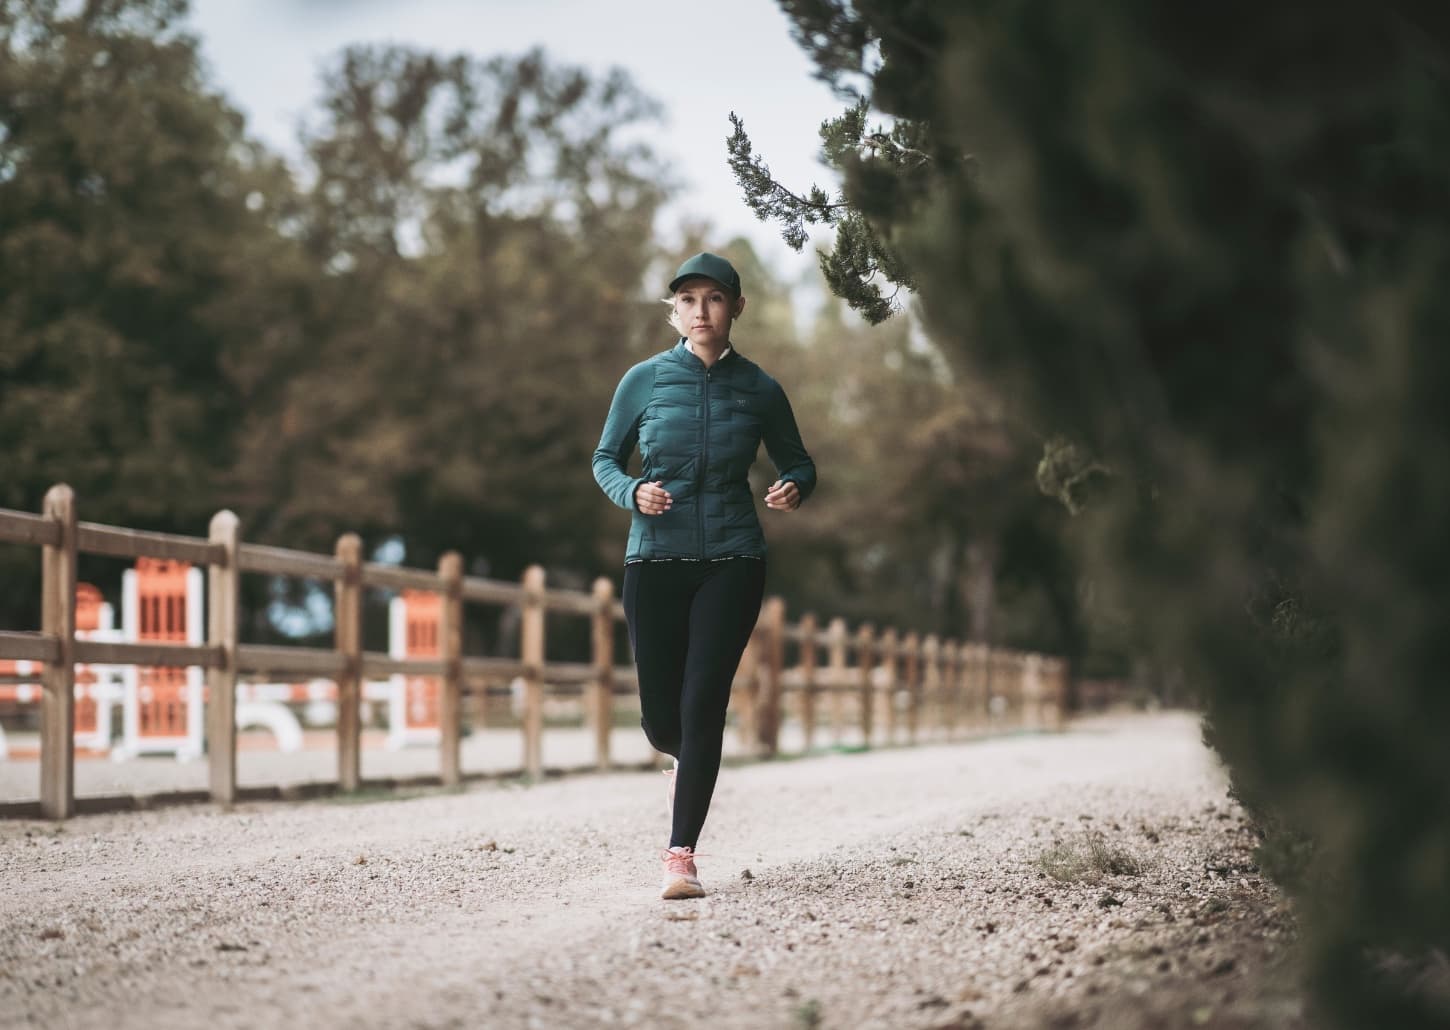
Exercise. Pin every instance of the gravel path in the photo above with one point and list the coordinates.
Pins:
(897, 888)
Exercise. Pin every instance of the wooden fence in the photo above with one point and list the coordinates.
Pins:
(898, 684)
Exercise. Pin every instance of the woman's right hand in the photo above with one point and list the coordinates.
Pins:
(652, 498)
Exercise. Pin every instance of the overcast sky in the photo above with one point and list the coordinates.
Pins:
(700, 61)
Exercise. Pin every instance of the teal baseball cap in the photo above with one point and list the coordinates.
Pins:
(711, 266)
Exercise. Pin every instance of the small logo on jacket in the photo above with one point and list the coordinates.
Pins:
(740, 402)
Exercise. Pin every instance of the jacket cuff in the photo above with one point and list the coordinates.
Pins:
(630, 498)
(805, 493)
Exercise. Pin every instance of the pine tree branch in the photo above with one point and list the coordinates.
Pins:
(769, 199)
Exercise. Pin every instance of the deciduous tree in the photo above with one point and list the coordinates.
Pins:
(140, 268)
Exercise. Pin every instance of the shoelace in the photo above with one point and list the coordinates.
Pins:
(681, 863)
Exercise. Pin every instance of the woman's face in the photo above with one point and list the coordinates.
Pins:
(704, 310)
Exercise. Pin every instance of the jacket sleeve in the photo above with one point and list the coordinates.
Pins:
(783, 444)
(621, 433)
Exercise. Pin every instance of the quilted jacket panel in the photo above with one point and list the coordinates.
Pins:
(698, 431)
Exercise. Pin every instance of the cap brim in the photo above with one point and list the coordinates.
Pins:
(675, 282)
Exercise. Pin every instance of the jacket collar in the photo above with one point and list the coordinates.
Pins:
(688, 357)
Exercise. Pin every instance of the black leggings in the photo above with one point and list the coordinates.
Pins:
(689, 623)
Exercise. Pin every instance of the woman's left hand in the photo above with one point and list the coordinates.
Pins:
(783, 496)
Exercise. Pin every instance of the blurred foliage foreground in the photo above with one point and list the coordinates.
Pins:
(1200, 251)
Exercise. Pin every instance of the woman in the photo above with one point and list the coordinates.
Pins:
(695, 562)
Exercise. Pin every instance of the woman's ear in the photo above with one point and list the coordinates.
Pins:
(739, 306)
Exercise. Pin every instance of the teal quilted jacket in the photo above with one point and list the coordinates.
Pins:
(698, 431)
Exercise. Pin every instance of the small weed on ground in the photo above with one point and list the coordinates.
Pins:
(1087, 859)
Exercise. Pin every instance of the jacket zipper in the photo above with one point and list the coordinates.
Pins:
(704, 464)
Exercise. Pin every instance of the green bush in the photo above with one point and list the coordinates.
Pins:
(1202, 249)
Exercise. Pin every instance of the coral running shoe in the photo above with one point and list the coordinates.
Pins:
(682, 879)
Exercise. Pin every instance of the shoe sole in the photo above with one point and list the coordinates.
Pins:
(679, 890)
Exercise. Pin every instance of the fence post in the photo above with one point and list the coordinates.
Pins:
(1007, 686)
(348, 637)
(745, 693)
(531, 653)
(866, 666)
(990, 687)
(1019, 687)
(837, 678)
(979, 696)
(450, 650)
(930, 681)
(951, 681)
(1032, 691)
(602, 705)
(58, 696)
(808, 677)
(774, 626)
(224, 580)
(1062, 703)
(971, 688)
(966, 656)
(912, 681)
(1062, 693)
(890, 648)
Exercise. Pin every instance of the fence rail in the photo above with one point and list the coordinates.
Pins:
(114, 542)
(28, 647)
(898, 682)
(280, 561)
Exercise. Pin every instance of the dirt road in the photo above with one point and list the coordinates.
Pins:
(986, 884)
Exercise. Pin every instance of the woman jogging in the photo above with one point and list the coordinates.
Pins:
(695, 561)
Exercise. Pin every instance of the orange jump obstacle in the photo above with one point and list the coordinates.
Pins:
(413, 701)
(162, 708)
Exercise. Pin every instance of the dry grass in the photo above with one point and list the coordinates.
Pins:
(1087, 859)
